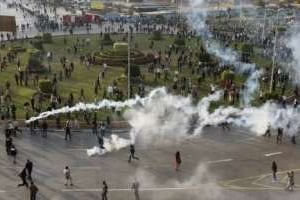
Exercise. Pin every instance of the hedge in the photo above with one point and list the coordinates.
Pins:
(45, 86)
(35, 65)
(156, 35)
(106, 40)
(179, 41)
(47, 38)
(134, 71)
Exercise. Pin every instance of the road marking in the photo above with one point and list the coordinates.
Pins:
(230, 184)
(85, 168)
(141, 189)
(273, 154)
(2, 191)
(76, 149)
(218, 161)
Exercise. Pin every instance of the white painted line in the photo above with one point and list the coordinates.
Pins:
(85, 168)
(76, 149)
(219, 161)
(2, 191)
(141, 189)
(273, 154)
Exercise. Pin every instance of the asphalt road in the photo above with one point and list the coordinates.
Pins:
(217, 165)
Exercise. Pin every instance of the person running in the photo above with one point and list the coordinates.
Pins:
(68, 130)
(293, 139)
(8, 143)
(225, 126)
(29, 167)
(268, 132)
(292, 181)
(135, 187)
(100, 142)
(274, 171)
(131, 153)
(13, 153)
(23, 175)
(104, 190)
(177, 160)
(33, 190)
(68, 177)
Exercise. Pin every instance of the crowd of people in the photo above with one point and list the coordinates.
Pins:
(190, 61)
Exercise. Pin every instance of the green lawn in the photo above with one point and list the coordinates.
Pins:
(84, 78)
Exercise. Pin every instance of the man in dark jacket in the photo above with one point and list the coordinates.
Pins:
(22, 175)
(29, 167)
(44, 128)
(132, 152)
(274, 171)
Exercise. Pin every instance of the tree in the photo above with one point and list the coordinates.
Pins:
(135, 71)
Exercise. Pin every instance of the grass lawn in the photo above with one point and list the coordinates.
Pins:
(84, 78)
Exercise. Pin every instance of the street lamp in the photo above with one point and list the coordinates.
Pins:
(274, 53)
(264, 26)
(128, 71)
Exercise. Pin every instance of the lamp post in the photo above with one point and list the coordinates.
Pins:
(264, 26)
(274, 53)
(128, 71)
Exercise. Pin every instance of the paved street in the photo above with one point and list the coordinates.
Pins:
(215, 166)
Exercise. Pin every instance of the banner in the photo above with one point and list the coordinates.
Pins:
(97, 5)
(8, 23)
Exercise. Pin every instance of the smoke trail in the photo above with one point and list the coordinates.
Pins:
(197, 20)
(167, 118)
(114, 143)
(97, 106)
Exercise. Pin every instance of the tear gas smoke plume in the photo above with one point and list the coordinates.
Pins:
(161, 117)
(197, 20)
(114, 143)
(294, 45)
(166, 118)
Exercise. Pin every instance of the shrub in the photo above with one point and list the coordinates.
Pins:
(134, 71)
(17, 49)
(121, 47)
(35, 52)
(271, 96)
(35, 65)
(47, 38)
(156, 35)
(107, 40)
(179, 41)
(45, 86)
(38, 44)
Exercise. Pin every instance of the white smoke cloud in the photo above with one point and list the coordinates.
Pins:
(294, 45)
(114, 143)
(167, 117)
(197, 21)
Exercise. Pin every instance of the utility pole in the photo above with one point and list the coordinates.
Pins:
(128, 71)
(264, 26)
(274, 53)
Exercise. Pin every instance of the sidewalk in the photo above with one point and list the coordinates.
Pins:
(52, 124)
